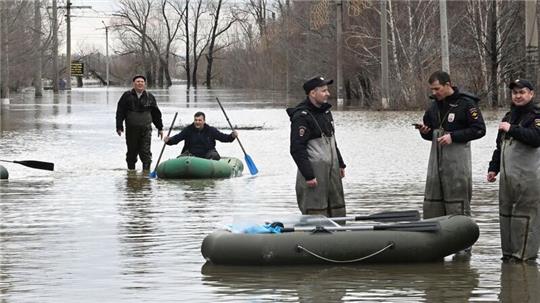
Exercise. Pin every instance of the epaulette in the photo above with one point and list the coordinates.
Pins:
(536, 107)
(470, 96)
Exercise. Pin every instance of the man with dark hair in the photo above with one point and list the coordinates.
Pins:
(139, 109)
(319, 188)
(517, 157)
(200, 138)
(452, 120)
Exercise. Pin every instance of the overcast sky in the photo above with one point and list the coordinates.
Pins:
(87, 29)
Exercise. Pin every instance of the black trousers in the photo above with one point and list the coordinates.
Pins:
(138, 141)
(211, 154)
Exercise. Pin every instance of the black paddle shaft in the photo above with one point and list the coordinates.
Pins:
(227, 117)
(168, 134)
(424, 226)
(34, 164)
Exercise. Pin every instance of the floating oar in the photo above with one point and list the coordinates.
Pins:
(390, 216)
(153, 174)
(426, 226)
(250, 164)
(34, 164)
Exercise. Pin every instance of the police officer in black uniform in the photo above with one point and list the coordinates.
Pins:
(319, 189)
(452, 120)
(139, 109)
(517, 158)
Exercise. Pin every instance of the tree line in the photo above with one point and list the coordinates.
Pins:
(277, 44)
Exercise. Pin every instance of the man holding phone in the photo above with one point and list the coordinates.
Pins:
(450, 123)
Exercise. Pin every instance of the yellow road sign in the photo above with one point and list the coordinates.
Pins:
(77, 68)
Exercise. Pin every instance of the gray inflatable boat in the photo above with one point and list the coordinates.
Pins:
(379, 243)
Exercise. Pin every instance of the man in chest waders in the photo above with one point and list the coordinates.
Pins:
(517, 158)
(139, 109)
(450, 123)
(319, 190)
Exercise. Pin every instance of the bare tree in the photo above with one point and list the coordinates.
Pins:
(38, 49)
(4, 59)
(200, 40)
(258, 9)
(216, 32)
(491, 25)
(187, 62)
(136, 13)
(172, 30)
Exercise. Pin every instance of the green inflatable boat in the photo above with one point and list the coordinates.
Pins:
(422, 241)
(187, 167)
(3, 173)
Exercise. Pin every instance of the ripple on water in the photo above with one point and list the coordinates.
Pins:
(90, 231)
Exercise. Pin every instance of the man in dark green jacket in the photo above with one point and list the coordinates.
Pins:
(139, 109)
(450, 123)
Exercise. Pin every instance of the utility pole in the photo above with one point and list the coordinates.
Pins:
(339, 51)
(37, 41)
(531, 40)
(68, 8)
(106, 53)
(68, 45)
(4, 59)
(1, 54)
(55, 46)
(445, 54)
(287, 8)
(385, 102)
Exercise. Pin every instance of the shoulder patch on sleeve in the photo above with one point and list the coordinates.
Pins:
(301, 130)
(537, 122)
(474, 112)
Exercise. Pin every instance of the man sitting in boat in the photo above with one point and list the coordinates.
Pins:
(200, 138)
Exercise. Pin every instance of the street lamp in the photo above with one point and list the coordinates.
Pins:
(106, 53)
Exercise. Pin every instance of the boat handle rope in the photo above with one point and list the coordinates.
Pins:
(301, 248)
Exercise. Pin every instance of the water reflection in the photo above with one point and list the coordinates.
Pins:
(137, 226)
(520, 283)
(27, 226)
(434, 282)
(92, 226)
(136, 182)
(191, 95)
(194, 188)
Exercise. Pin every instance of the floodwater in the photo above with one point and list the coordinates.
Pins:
(92, 232)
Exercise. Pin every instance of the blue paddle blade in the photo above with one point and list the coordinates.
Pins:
(153, 174)
(252, 168)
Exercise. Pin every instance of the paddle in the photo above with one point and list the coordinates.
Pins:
(250, 164)
(34, 164)
(425, 226)
(390, 216)
(153, 174)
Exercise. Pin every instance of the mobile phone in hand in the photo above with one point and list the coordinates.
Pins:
(417, 125)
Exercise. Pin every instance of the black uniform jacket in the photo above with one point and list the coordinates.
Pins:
(304, 128)
(458, 115)
(199, 142)
(524, 127)
(129, 102)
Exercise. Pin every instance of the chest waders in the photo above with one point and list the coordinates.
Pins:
(519, 199)
(138, 138)
(327, 197)
(449, 179)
